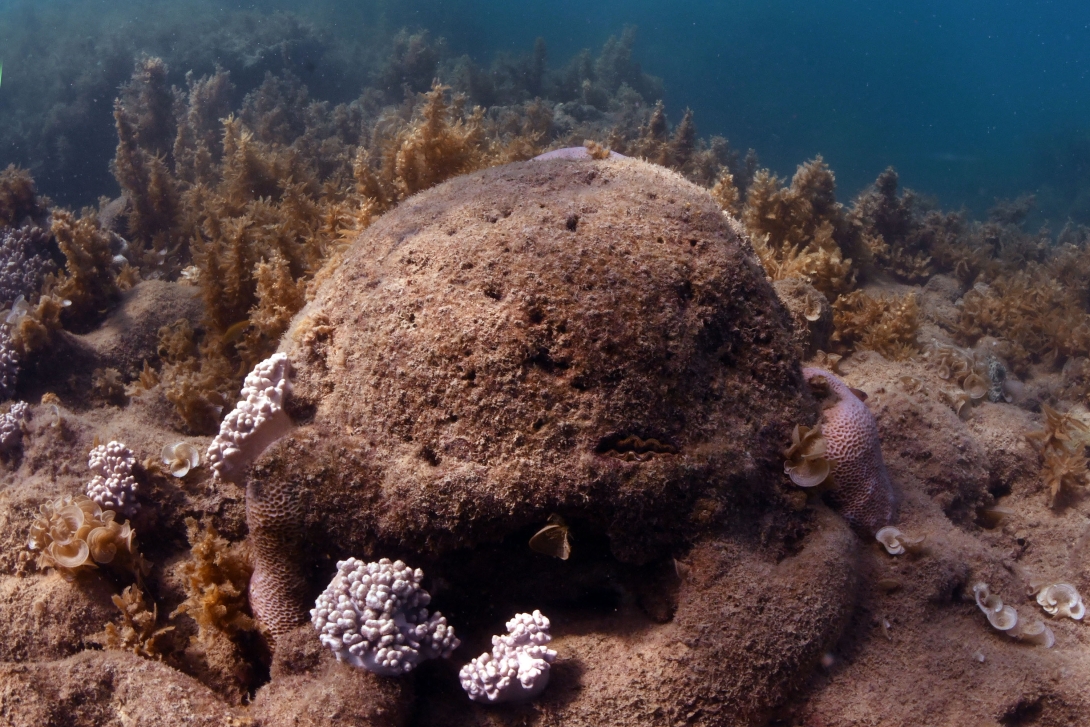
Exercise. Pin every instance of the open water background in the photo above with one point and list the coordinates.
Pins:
(970, 100)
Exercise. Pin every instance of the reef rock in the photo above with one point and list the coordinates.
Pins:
(576, 337)
(107, 688)
(590, 339)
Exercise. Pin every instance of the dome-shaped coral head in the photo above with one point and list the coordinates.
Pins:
(517, 669)
(861, 488)
(374, 616)
(589, 150)
(257, 420)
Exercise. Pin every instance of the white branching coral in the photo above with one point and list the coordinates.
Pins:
(375, 616)
(257, 420)
(74, 532)
(518, 667)
(11, 426)
(1061, 599)
(113, 487)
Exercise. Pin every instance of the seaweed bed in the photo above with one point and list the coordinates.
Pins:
(137, 321)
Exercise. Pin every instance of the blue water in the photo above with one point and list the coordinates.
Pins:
(969, 100)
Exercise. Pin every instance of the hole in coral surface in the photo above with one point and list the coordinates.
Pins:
(429, 455)
(543, 359)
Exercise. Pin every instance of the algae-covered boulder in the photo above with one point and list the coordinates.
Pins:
(585, 339)
(591, 339)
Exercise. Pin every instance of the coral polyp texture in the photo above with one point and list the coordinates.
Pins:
(11, 426)
(518, 666)
(375, 616)
(861, 489)
(21, 262)
(113, 487)
(257, 420)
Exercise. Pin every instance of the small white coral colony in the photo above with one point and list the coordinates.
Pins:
(896, 543)
(257, 420)
(11, 426)
(113, 487)
(74, 532)
(1005, 619)
(518, 667)
(1061, 599)
(374, 616)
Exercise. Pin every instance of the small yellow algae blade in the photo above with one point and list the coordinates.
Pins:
(552, 539)
(236, 330)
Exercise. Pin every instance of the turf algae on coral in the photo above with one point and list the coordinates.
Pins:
(476, 364)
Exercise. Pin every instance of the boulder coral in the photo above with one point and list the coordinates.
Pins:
(585, 338)
(489, 353)
(861, 487)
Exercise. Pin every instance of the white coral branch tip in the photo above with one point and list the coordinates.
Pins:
(257, 420)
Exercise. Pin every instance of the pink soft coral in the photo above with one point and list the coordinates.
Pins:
(861, 489)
